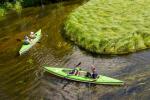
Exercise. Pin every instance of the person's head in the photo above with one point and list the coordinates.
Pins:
(92, 67)
(31, 33)
(26, 37)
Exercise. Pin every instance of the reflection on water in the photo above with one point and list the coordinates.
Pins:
(22, 77)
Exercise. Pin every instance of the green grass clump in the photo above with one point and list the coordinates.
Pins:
(17, 7)
(7, 6)
(2, 11)
(111, 26)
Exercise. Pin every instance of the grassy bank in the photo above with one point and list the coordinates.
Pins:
(111, 26)
(10, 6)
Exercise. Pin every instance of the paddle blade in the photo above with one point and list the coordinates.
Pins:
(19, 40)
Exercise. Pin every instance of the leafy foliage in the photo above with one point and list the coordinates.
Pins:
(6, 6)
(17, 7)
(111, 26)
(2, 11)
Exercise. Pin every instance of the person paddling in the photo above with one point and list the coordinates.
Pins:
(26, 40)
(94, 72)
(32, 35)
(76, 70)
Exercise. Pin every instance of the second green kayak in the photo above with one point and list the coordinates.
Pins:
(63, 72)
(25, 48)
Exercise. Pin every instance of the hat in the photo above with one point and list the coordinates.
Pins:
(31, 32)
(26, 37)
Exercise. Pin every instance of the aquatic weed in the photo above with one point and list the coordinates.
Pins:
(110, 26)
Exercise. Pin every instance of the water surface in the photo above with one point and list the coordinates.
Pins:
(22, 77)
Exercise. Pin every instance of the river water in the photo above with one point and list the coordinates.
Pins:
(22, 77)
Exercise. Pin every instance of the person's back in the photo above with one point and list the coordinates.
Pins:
(26, 40)
(94, 72)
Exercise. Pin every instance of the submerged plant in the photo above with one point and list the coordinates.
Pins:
(2, 12)
(15, 6)
(30, 61)
(18, 7)
(111, 26)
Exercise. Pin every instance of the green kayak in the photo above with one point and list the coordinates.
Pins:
(63, 72)
(25, 48)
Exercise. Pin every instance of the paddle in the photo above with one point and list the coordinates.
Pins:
(78, 64)
(19, 40)
(65, 84)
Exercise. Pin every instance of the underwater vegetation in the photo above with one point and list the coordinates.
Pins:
(110, 26)
(8, 6)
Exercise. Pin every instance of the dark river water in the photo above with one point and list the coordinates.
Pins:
(23, 78)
